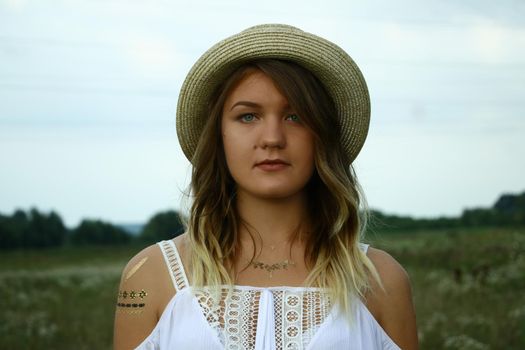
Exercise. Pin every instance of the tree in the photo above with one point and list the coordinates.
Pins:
(9, 236)
(44, 230)
(35, 230)
(161, 226)
(511, 209)
(98, 232)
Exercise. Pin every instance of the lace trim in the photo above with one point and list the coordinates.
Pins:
(297, 315)
(172, 258)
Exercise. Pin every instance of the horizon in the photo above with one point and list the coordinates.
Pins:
(144, 222)
(87, 112)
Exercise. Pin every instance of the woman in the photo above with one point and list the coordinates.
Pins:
(271, 119)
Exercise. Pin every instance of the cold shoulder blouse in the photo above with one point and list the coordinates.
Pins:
(259, 318)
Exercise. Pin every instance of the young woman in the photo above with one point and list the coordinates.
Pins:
(271, 120)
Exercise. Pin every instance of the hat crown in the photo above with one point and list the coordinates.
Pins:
(334, 68)
(272, 27)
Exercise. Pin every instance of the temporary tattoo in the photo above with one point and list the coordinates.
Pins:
(130, 311)
(133, 312)
(135, 268)
(132, 294)
(131, 305)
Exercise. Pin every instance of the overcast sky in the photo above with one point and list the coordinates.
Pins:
(88, 93)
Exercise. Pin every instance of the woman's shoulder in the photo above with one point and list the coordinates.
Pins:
(144, 291)
(182, 242)
(148, 256)
(149, 267)
(393, 275)
(140, 269)
(391, 304)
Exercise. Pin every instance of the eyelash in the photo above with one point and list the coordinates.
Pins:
(241, 117)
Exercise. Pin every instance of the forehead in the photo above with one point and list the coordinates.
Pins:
(255, 86)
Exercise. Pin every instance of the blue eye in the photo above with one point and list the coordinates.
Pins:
(247, 117)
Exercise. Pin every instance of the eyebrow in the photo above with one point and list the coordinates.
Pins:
(246, 103)
(252, 104)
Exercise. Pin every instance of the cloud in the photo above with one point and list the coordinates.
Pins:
(15, 5)
(152, 55)
(496, 43)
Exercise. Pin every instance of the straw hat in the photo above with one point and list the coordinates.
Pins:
(331, 64)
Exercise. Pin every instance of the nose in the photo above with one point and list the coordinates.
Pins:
(272, 133)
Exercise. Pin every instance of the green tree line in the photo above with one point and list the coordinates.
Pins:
(508, 211)
(34, 229)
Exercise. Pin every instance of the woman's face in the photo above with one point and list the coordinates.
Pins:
(269, 151)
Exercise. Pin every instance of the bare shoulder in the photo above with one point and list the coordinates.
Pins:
(144, 291)
(182, 242)
(392, 305)
(393, 276)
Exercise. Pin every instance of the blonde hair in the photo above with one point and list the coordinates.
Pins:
(332, 254)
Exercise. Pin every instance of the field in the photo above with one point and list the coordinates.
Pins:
(469, 287)
(469, 291)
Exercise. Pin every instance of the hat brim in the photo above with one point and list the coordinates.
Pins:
(332, 65)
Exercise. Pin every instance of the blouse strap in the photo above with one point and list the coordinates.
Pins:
(364, 247)
(174, 263)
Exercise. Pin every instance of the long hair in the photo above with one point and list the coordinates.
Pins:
(336, 204)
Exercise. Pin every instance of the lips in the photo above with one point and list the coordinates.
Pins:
(272, 164)
(272, 161)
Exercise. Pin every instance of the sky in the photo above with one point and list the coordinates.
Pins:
(89, 88)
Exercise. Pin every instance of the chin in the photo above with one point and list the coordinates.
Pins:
(275, 193)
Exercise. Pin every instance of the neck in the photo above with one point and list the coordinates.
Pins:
(275, 220)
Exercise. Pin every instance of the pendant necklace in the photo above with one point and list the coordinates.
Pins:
(272, 267)
(283, 265)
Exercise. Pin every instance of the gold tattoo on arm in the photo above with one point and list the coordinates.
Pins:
(127, 302)
(132, 294)
(135, 268)
(131, 306)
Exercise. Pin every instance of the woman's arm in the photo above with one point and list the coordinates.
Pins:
(145, 289)
(393, 307)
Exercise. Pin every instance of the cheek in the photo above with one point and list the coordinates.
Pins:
(308, 148)
(229, 149)
(305, 153)
(235, 152)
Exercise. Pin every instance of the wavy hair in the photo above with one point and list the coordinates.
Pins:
(337, 207)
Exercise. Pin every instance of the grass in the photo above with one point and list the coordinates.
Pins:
(468, 285)
(60, 298)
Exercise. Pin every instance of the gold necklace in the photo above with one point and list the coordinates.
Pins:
(283, 265)
(272, 267)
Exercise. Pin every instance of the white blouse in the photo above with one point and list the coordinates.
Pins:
(259, 318)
